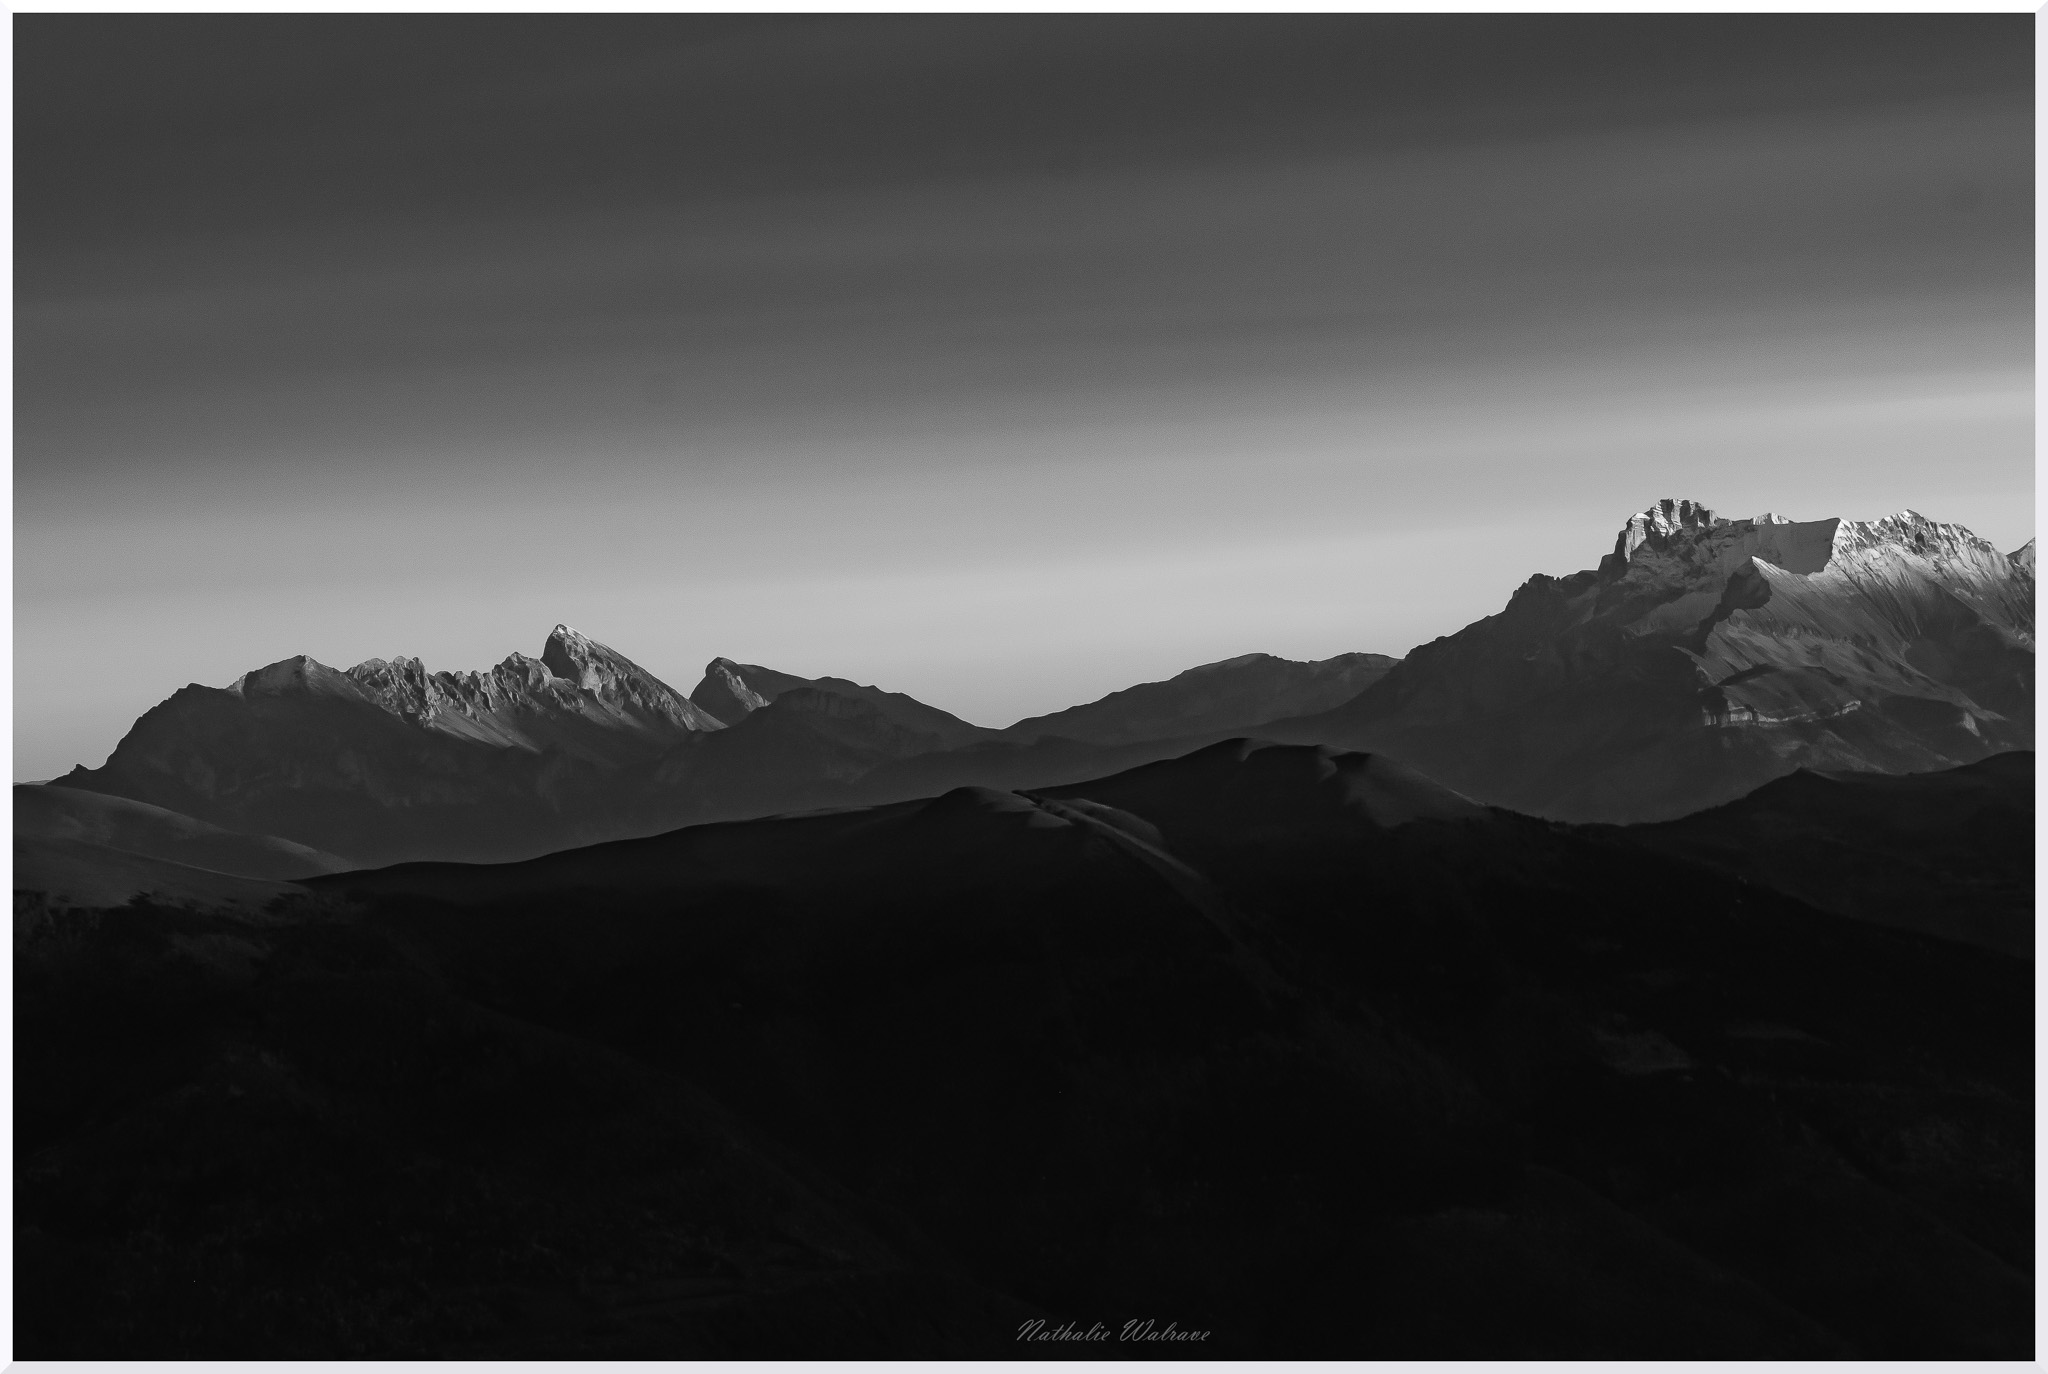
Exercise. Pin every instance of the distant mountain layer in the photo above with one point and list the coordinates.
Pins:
(1705, 656)
(1700, 659)
(1142, 724)
(1223, 698)
(387, 762)
(732, 691)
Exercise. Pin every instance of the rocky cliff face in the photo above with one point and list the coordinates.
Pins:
(726, 694)
(578, 696)
(1705, 656)
(1903, 609)
(387, 761)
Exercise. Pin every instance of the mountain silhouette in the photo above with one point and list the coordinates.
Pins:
(1701, 658)
(1948, 853)
(732, 691)
(1230, 697)
(1294, 1046)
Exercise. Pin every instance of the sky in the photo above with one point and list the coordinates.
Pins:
(1001, 360)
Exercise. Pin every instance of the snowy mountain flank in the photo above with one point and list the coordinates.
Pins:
(1705, 656)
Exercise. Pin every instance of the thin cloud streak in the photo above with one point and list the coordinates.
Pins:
(998, 290)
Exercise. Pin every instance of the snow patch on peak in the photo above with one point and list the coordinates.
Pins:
(1685, 537)
(1911, 533)
(1674, 564)
(1867, 624)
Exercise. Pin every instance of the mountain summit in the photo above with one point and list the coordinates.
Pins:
(579, 696)
(388, 761)
(1705, 656)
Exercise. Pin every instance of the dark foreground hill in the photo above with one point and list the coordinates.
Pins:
(1290, 1047)
(1949, 853)
(87, 849)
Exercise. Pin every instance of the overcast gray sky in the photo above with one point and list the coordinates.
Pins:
(1005, 361)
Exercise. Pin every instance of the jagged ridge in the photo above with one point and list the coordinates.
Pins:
(1704, 656)
(521, 702)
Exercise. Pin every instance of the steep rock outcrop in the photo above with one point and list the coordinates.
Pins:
(579, 696)
(388, 761)
(1901, 609)
(725, 694)
(1704, 656)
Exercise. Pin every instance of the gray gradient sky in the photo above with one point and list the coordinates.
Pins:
(1005, 361)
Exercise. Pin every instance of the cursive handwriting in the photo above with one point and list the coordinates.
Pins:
(1135, 1330)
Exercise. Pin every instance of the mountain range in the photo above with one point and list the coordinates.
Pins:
(1701, 658)
(1654, 983)
(386, 762)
